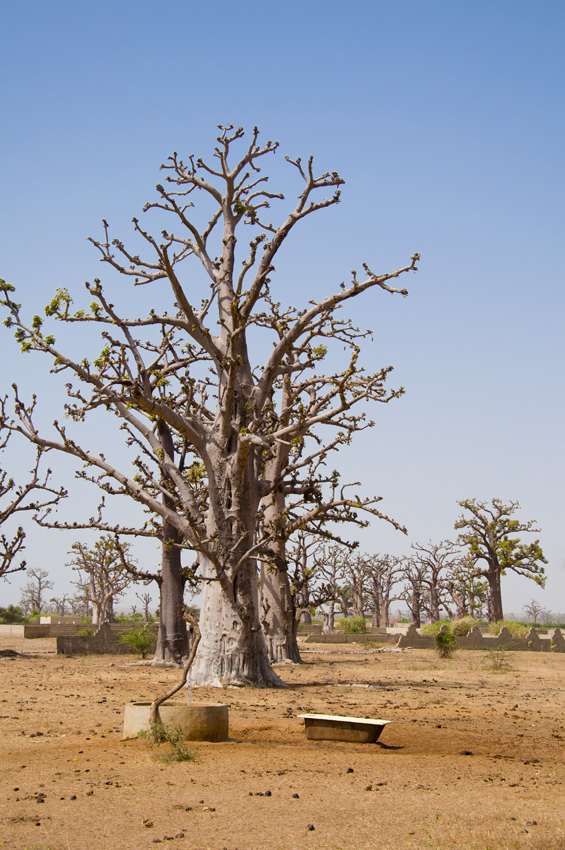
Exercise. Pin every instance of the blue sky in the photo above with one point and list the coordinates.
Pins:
(446, 120)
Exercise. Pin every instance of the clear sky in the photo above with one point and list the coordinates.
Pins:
(446, 120)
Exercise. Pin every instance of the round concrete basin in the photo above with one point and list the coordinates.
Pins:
(205, 722)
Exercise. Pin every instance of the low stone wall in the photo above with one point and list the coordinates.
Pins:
(56, 629)
(106, 641)
(66, 619)
(23, 630)
(309, 629)
(477, 640)
(316, 629)
(374, 636)
(11, 630)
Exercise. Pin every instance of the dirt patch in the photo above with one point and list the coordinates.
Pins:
(473, 759)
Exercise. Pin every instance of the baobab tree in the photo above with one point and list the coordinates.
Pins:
(102, 577)
(487, 531)
(414, 589)
(33, 591)
(534, 610)
(195, 375)
(145, 599)
(468, 592)
(329, 563)
(433, 561)
(172, 645)
(382, 587)
(356, 571)
(59, 604)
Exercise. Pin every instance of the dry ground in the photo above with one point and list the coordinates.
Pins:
(414, 789)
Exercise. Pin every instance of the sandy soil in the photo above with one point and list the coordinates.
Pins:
(77, 786)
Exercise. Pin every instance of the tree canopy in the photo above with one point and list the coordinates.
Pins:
(217, 436)
(488, 530)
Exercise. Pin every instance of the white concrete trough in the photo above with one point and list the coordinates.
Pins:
(204, 722)
(356, 730)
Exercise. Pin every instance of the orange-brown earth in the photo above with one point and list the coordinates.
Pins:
(78, 786)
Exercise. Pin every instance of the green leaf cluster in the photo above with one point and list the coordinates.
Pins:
(352, 625)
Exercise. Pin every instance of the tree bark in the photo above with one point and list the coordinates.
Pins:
(434, 600)
(416, 609)
(232, 648)
(358, 601)
(495, 593)
(277, 605)
(172, 638)
(329, 619)
(277, 617)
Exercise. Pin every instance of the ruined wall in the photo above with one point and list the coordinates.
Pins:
(106, 641)
(477, 640)
(372, 636)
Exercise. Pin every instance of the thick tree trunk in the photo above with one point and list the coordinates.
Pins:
(329, 619)
(495, 593)
(172, 639)
(277, 604)
(460, 605)
(277, 615)
(232, 649)
(358, 603)
(415, 609)
(377, 604)
(434, 603)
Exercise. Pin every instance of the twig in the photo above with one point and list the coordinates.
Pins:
(160, 700)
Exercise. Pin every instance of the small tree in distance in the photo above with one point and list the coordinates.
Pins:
(145, 599)
(487, 530)
(533, 610)
(33, 592)
(102, 576)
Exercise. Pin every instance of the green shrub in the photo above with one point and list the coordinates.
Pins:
(517, 630)
(352, 625)
(88, 630)
(136, 617)
(446, 644)
(434, 628)
(173, 735)
(498, 659)
(12, 614)
(141, 640)
(462, 627)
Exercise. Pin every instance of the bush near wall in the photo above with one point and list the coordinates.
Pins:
(352, 625)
